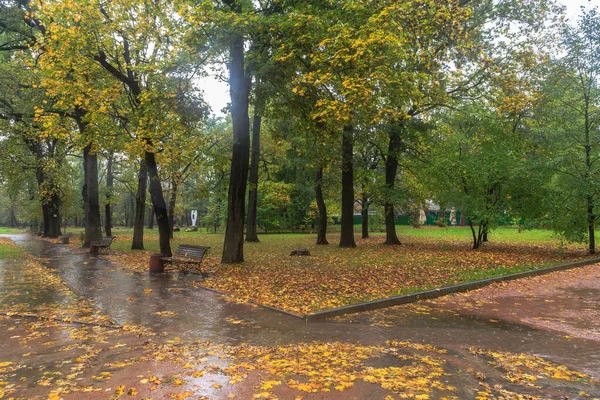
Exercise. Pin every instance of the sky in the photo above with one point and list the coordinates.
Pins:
(216, 92)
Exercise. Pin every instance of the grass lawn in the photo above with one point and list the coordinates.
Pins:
(9, 249)
(334, 277)
(11, 231)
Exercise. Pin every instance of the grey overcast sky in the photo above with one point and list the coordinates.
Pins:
(573, 6)
(217, 93)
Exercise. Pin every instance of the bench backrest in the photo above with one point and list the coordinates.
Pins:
(107, 240)
(191, 251)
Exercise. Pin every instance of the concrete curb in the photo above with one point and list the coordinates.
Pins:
(423, 295)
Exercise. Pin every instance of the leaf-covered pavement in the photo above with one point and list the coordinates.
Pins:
(61, 358)
(334, 277)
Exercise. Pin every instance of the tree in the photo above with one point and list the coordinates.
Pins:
(133, 45)
(572, 101)
(21, 107)
(476, 165)
(233, 247)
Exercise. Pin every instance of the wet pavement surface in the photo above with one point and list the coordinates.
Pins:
(181, 309)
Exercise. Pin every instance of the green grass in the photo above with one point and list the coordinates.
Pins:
(11, 231)
(275, 241)
(9, 251)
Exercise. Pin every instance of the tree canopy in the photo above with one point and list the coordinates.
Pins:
(358, 108)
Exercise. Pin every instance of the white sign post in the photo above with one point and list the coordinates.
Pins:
(194, 217)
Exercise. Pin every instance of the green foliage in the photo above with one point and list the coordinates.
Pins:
(570, 141)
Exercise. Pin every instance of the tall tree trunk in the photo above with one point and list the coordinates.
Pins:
(45, 220)
(13, 222)
(140, 208)
(151, 218)
(86, 204)
(160, 206)
(54, 217)
(50, 203)
(391, 169)
(475, 241)
(93, 225)
(415, 218)
(251, 231)
(478, 237)
(126, 216)
(482, 229)
(172, 203)
(108, 206)
(347, 233)
(365, 216)
(50, 206)
(591, 217)
(591, 224)
(233, 247)
(322, 232)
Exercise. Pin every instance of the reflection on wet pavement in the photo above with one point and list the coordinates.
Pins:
(178, 308)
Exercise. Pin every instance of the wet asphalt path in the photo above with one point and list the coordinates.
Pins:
(129, 298)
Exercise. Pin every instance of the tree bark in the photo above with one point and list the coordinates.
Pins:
(591, 223)
(475, 242)
(391, 169)
(150, 223)
(478, 237)
(50, 205)
(347, 233)
(251, 231)
(365, 216)
(415, 218)
(140, 208)
(591, 217)
(233, 248)
(322, 231)
(160, 206)
(54, 217)
(13, 222)
(172, 203)
(93, 225)
(45, 220)
(109, 188)
(132, 198)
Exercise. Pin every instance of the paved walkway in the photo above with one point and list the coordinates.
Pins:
(180, 311)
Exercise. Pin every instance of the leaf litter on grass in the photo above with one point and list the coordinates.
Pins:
(334, 277)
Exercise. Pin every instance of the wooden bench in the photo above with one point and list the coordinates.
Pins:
(187, 258)
(102, 244)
